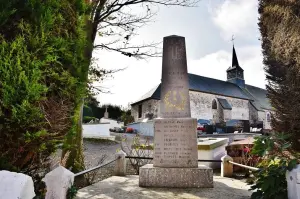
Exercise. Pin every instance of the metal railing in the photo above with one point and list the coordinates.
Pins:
(150, 158)
(244, 166)
(94, 168)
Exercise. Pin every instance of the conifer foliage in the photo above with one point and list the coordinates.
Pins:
(43, 79)
(280, 31)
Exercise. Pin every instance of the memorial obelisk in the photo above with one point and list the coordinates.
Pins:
(175, 159)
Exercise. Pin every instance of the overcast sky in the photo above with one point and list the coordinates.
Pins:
(207, 29)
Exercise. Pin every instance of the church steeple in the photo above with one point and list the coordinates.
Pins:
(235, 73)
(235, 61)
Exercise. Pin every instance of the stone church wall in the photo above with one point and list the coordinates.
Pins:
(201, 108)
(148, 106)
(253, 114)
(227, 115)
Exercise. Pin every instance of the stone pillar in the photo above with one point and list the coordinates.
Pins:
(120, 165)
(16, 185)
(293, 183)
(175, 156)
(58, 182)
(226, 167)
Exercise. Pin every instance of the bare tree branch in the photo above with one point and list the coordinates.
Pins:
(117, 23)
(119, 19)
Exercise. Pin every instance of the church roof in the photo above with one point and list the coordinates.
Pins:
(259, 97)
(256, 95)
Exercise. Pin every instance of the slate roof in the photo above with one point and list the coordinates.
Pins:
(257, 96)
(224, 103)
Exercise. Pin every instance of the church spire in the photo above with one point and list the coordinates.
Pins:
(235, 73)
(235, 62)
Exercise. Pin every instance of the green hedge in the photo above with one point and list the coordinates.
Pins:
(43, 79)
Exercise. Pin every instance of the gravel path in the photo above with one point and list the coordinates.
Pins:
(95, 150)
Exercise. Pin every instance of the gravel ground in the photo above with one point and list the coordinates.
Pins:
(97, 152)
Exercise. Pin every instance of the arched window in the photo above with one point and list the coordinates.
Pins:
(214, 104)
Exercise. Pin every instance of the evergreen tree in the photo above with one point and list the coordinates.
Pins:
(43, 79)
(280, 31)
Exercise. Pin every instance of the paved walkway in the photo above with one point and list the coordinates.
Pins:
(127, 188)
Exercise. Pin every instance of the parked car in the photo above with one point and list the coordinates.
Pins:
(118, 130)
(129, 130)
(201, 126)
(234, 125)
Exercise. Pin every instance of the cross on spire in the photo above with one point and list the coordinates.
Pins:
(232, 39)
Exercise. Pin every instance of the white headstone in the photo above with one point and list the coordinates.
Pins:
(293, 182)
(16, 185)
(106, 113)
(58, 182)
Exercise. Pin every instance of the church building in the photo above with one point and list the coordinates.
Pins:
(216, 100)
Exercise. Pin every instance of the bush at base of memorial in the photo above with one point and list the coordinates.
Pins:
(277, 158)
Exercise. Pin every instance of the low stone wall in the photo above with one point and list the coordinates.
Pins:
(96, 130)
(143, 128)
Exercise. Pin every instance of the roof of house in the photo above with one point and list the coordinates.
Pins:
(257, 96)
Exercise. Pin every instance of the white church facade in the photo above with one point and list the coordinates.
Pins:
(216, 100)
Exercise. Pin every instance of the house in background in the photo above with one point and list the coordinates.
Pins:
(216, 100)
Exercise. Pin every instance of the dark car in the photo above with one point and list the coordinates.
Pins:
(234, 125)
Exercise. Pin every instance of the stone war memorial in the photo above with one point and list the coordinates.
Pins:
(175, 159)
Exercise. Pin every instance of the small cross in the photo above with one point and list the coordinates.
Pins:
(232, 39)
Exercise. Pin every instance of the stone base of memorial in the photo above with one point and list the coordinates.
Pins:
(175, 159)
(200, 177)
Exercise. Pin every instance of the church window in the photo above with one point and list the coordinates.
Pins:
(214, 104)
(268, 117)
(140, 111)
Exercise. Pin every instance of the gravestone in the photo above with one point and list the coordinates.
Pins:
(16, 185)
(106, 113)
(293, 183)
(175, 159)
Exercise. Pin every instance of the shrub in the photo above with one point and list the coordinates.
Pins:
(137, 148)
(279, 27)
(270, 180)
(87, 119)
(242, 154)
(43, 73)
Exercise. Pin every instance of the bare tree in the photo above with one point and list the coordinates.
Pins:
(117, 21)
